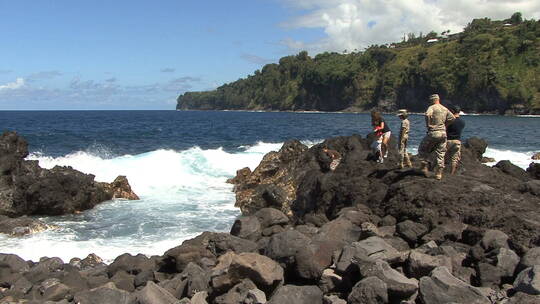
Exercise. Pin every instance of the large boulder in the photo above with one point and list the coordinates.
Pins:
(370, 290)
(27, 189)
(106, 294)
(528, 281)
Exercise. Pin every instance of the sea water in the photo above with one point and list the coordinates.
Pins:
(178, 163)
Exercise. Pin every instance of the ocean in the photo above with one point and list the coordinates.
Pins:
(178, 163)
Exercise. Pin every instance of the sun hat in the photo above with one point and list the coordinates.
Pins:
(434, 96)
(402, 112)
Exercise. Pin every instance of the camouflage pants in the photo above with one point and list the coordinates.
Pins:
(433, 148)
(403, 155)
(454, 151)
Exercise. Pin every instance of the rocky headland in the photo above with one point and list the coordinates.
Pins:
(27, 189)
(362, 233)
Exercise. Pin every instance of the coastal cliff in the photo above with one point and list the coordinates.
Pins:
(490, 67)
(362, 233)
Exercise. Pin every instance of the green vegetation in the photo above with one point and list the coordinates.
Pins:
(492, 66)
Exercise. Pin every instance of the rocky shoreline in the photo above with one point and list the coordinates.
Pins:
(364, 233)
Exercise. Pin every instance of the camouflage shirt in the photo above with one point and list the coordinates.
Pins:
(437, 117)
(404, 131)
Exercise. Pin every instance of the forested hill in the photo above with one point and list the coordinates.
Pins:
(492, 66)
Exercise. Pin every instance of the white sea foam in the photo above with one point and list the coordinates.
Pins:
(521, 159)
(183, 193)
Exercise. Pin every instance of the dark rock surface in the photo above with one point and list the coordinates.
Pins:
(366, 232)
(27, 189)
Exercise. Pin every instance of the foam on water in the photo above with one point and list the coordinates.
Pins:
(520, 159)
(183, 193)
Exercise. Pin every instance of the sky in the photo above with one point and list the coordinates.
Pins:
(140, 55)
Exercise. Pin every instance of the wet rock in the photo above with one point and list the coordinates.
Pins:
(370, 290)
(291, 294)
(120, 188)
(27, 189)
(247, 227)
(536, 156)
(441, 287)
(528, 281)
(21, 226)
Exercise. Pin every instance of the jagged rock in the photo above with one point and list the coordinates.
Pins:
(131, 264)
(21, 226)
(247, 227)
(142, 277)
(154, 294)
(233, 268)
(489, 275)
(399, 286)
(56, 292)
(120, 188)
(411, 231)
(528, 281)
(314, 258)
(28, 189)
(175, 286)
(441, 287)
(420, 264)
(370, 290)
(477, 146)
(46, 268)
(506, 260)
(290, 294)
(106, 294)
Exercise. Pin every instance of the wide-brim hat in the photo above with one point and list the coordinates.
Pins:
(402, 112)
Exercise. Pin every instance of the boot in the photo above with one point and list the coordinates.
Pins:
(424, 168)
(438, 173)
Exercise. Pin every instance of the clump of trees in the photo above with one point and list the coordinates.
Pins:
(492, 66)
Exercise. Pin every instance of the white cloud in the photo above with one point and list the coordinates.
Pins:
(18, 83)
(355, 24)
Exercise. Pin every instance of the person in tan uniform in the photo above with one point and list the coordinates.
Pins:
(404, 160)
(437, 118)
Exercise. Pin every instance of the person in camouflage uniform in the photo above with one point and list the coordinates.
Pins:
(404, 160)
(437, 118)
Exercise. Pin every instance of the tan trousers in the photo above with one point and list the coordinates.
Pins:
(433, 148)
(453, 147)
(403, 155)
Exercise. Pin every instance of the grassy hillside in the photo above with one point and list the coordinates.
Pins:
(492, 66)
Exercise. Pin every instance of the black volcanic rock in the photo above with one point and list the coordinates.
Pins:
(27, 189)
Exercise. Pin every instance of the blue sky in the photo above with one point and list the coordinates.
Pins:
(68, 54)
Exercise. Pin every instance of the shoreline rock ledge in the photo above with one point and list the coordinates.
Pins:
(363, 233)
(27, 189)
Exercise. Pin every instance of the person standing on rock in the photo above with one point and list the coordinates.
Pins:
(379, 125)
(453, 133)
(404, 160)
(437, 118)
